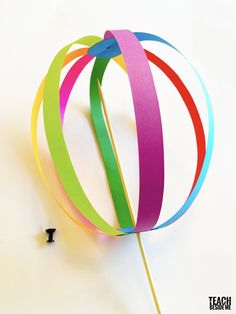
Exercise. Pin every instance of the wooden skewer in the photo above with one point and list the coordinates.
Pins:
(138, 235)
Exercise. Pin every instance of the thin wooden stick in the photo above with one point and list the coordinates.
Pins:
(138, 235)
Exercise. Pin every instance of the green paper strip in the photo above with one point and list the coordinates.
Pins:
(111, 167)
(56, 141)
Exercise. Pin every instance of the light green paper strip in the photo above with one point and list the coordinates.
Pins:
(56, 142)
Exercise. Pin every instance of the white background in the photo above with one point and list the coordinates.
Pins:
(190, 260)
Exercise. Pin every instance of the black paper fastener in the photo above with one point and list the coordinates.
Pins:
(50, 233)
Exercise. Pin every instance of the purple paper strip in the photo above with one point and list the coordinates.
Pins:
(149, 128)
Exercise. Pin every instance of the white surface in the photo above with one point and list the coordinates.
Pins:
(191, 260)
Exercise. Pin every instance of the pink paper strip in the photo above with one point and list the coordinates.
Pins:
(149, 128)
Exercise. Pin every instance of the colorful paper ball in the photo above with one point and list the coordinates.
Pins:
(124, 47)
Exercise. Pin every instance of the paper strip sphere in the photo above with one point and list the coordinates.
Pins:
(135, 61)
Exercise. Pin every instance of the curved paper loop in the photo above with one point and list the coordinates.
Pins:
(49, 100)
(114, 180)
(110, 48)
(149, 128)
(57, 146)
(86, 225)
